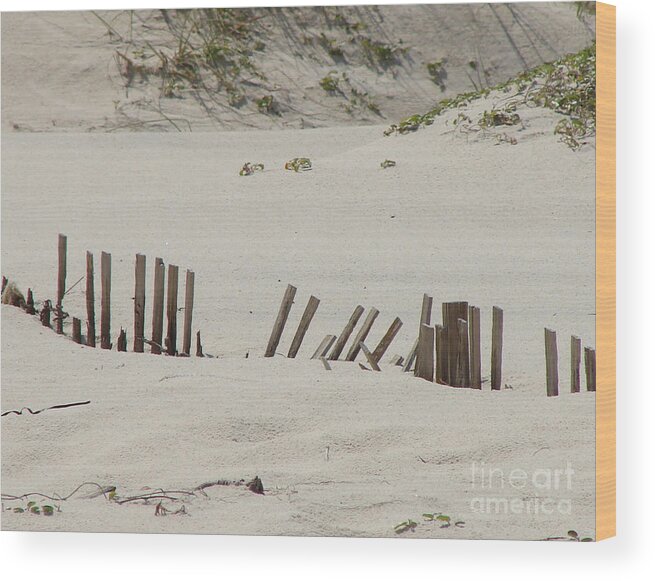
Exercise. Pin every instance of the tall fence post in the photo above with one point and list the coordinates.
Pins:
(306, 319)
(171, 310)
(90, 302)
(590, 368)
(552, 379)
(440, 361)
(188, 311)
(496, 348)
(474, 341)
(281, 320)
(158, 308)
(139, 302)
(389, 336)
(105, 302)
(363, 333)
(426, 317)
(61, 282)
(452, 312)
(425, 353)
(345, 334)
(575, 363)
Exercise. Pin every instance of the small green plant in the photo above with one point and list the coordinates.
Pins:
(33, 508)
(380, 53)
(571, 536)
(444, 520)
(330, 83)
(437, 73)
(497, 117)
(403, 527)
(266, 104)
(298, 164)
(250, 168)
(388, 163)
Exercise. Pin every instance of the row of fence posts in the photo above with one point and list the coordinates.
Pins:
(169, 345)
(552, 374)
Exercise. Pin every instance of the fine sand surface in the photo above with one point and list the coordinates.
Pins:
(459, 217)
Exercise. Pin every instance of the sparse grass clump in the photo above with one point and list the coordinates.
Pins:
(567, 86)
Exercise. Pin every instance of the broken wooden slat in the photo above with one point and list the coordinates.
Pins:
(77, 330)
(324, 347)
(139, 302)
(188, 311)
(158, 308)
(29, 303)
(576, 353)
(280, 321)
(475, 347)
(363, 333)
(198, 345)
(61, 282)
(90, 302)
(121, 343)
(325, 363)
(426, 310)
(171, 310)
(590, 368)
(552, 379)
(389, 336)
(369, 357)
(397, 360)
(44, 315)
(440, 355)
(105, 301)
(496, 348)
(345, 334)
(425, 354)
(411, 356)
(305, 320)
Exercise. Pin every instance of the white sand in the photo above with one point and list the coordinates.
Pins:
(460, 219)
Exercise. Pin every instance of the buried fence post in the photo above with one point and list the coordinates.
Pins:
(171, 310)
(324, 347)
(44, 315)
(552, 379)
(77, 330)
(389, 336)
(121, 343)
(575, 363)
(306, 319)
(345, 334)
(198, 345)
(61, 283)
(425, 353)
(90, 302)
(475, 347)
(139, 302)
(158, 308)
(363, 333)
(188, 311)
(590, 368)
(105, 303)
(496, 348)
(281, 320)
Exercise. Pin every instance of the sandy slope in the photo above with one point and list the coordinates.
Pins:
(459, 217)
(60, 73)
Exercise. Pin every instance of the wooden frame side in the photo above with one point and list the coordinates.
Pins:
(606, 270)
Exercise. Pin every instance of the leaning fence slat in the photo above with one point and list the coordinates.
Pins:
(345, 334)
(90, 302)
(325, 363)
(475, 347)
(156, 344)
(397, 360)
(139, 302)
(389, 336)
(105, 302)
(61, 282)
(426, 310)
(362, 334)
(496, 348)
(425, 353)
(281, 320)
(305, 320)
(575, 363)
(552, 379)
(369, 357)
(171, 310)
(188, 311)
(411, 356)
(324, 347)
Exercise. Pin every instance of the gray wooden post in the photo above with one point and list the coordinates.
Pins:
(61, 282)
(105, 302)
(139, 302)
(576, 350)
(425, 353)
(497, 348)
(280, 321)
(475, 347)
(552, 379)
(363, 333)
(188, 311)
(158, 308)
(389, 336)
(171, 310)
(90, 302)
(305, 320)
(345, 334)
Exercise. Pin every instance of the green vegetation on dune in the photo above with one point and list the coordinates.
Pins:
(567, 86)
